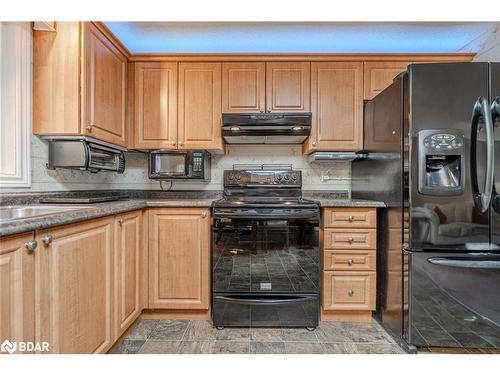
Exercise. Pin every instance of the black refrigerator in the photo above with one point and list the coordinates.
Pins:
(432, 153)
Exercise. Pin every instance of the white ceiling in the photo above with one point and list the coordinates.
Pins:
(297, 37)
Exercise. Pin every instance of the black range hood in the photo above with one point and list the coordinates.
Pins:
(266, 128)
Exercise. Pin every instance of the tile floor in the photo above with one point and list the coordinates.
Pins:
(200, 337)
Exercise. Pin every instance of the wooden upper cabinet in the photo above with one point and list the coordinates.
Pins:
(79, 83)
(17, 289)
(179, 258)
(155, 105)
(288, 86)
(336, 106)
(380, 74)
(243, 87)
(74, 287)
(200, 106)
(105, 88)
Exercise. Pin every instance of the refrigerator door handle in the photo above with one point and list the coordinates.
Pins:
(476, 263)
(482, 109)
(495, 115)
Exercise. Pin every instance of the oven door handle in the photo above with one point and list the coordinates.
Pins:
(485, 263)
(260, 301)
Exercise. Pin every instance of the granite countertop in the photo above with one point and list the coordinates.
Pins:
(94, 211)
(152, 199)
(325, 202)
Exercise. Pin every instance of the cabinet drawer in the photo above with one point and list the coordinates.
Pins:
(350, 239)
(349, 260)
(350, 217)
(347, 290)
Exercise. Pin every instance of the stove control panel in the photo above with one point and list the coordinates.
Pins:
(256, 178)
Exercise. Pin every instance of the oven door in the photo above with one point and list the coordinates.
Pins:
(265, 271)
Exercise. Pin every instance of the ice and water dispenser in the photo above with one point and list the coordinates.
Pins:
(441, 164)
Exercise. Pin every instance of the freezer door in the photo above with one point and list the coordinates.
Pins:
(454, 300)
(442, 100)
(495, 109)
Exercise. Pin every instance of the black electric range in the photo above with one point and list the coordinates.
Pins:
(265, 252)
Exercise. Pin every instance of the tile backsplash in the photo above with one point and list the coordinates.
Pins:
(331, 176)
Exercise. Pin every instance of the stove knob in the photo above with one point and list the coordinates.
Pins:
(231, 177)
(294, 176)
(287, 177)
(238, 177)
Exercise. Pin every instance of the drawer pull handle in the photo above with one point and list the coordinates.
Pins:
(350, 262)
(350, 239)
(47, 240)
(31, 245)
(351, 218)
(350, 292)
(204, 214)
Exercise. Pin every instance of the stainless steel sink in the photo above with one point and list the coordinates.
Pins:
(8, 213)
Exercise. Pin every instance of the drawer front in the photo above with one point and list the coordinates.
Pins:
(350, 217)
(353, 239)
(349, 290)
(349, 260)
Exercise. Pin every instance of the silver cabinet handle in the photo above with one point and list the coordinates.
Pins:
(120, 221)
(204, 214)
(351, 218)
(350, 292)
(350, 239)
(482, 199)
(173, 143)
(314, 143)
(47, 240)
(350, 262)
(89, 127)
(31, 245)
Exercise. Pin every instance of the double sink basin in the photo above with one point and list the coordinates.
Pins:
(10, 213)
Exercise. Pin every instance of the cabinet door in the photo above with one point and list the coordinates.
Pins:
(179, 258)
(288, 86)
(337, 107)
(74, 287)
(129, 255)
(155, 105)
(243, 87)
(105, 85)
(200, 106)
(17, 289)
(379, 75)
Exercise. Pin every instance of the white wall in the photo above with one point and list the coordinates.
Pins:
(486, 46)
(135, 176)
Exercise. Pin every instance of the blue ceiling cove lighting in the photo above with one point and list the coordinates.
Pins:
(297, 37)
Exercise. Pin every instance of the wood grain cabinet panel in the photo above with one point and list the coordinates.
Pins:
(200, 106)
(350, 217)
(243, 87)
(74, 287)
(348, 290)
(336, 106)
(380, 74)
(129, 257)
(79, 83)
(288, 86)
(179, 258)
(17, 289)
(155, 105)
(350, 239)
(350, 260)
(105, 88)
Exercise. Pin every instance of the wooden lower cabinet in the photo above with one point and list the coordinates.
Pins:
(128, 269)
(74, 287)
(179, 258)
(17, 289)
(348, 240)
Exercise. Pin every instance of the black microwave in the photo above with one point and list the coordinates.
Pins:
(179, 165)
